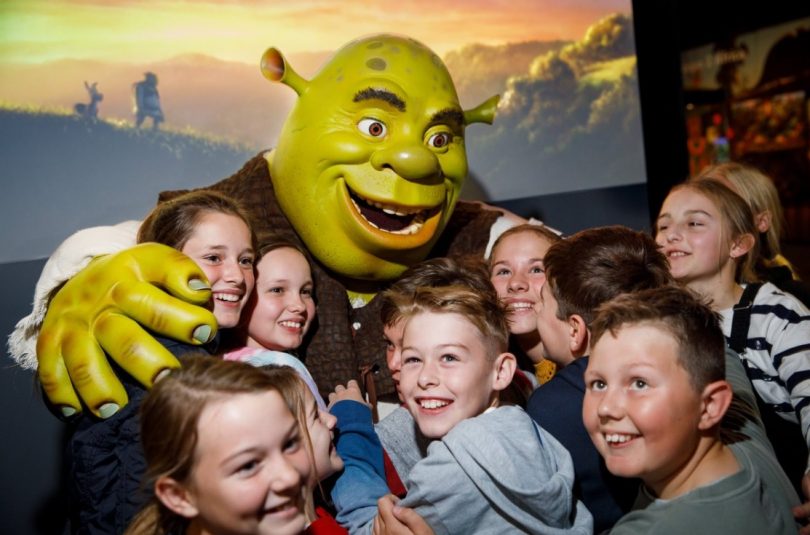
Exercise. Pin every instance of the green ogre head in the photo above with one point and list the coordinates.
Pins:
(371, 160)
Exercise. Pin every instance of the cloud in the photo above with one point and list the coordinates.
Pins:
(610, 38)
(570, 121)
(480, 71)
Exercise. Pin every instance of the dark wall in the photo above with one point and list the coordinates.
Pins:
(32, 439)
(573, 211)
(663, 29)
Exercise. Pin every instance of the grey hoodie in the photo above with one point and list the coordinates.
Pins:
(496, 473)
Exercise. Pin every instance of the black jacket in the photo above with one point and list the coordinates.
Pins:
(105, 462)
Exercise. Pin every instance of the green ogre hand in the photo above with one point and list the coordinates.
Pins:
(103, 308)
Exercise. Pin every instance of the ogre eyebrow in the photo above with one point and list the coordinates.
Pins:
(448, 116)
(371, 93)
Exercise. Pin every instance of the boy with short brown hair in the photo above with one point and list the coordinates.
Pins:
(582, 272)
(655, 399)
(489, 467)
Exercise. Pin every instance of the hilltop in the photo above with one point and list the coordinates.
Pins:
(61, 173)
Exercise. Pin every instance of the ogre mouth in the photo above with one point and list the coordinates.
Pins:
(391, 218)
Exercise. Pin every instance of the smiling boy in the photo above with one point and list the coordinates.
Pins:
(655, 399)
(489, 467)
(608, 261)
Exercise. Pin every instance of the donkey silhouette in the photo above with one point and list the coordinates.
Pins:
(89, 110)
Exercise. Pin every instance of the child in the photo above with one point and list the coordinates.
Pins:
(707, 233)
(404, 445)
(104, 457)
(656, 396)
(516, 270)
(239, 459)
(282, 308)
(608, 261)
(316, 426)
(215, 232)
(469, 272)
(759, 192)
(490, 468)
(280, 311)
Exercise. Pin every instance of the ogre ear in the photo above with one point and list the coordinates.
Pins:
(276, 69)
(484, 112)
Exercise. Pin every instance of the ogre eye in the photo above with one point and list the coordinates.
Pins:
(372, 127)
(439, 140)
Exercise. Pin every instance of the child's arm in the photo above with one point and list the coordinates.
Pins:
(790, 352)
(362, 482)
(791, 358)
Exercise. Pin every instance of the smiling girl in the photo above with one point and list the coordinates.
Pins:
(247, 446)
(516, 270)
(707, 233)
(104, 458)
(282, 309)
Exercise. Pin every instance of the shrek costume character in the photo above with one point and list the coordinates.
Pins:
(366, 176)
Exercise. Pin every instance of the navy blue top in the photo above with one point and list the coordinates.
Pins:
(557, 407)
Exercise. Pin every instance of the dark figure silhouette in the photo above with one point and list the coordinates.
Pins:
(147, 101)
(90, 110)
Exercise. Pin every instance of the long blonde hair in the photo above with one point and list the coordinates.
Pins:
(737, 222)
(759, 192)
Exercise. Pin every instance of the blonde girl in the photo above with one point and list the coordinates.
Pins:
(707, 233)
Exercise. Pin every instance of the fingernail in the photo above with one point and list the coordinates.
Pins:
(202, 333)
(161, 374)
(197, 284)
(67, 412)
(108, 409)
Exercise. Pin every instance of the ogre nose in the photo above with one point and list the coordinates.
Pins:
(414, 163)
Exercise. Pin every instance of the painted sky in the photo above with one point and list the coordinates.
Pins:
(36, 31)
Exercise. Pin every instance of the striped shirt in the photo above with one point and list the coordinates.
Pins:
(777, 353)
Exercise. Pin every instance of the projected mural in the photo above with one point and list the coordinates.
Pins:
(71, 72)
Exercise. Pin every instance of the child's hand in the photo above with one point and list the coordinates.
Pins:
(395, 520)
(351, 392)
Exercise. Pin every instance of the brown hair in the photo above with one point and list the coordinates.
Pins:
(679, 312)
(595, 265)
(170, 414)
(737, 222)
(541, 231)
(483, 310)
(270, 242)
(758, 190)
(468, 272)
(172, 222)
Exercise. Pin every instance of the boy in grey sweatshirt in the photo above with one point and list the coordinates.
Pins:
(489, 468)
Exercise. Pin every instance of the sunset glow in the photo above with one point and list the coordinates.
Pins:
(36, 31)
